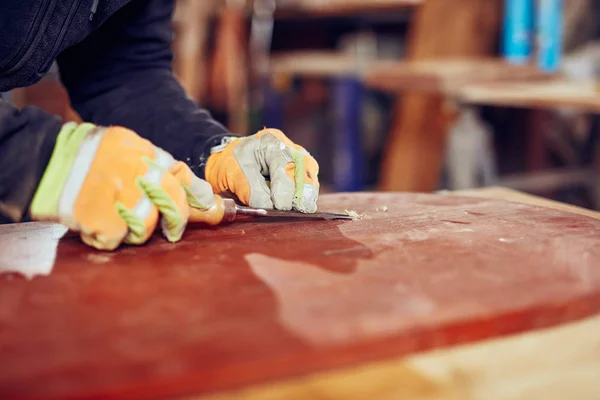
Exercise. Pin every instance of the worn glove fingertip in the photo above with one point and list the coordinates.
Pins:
(261, 199)
(200, 194)
(307, 203)
(281, 204)
(173, 233)
(99, 242)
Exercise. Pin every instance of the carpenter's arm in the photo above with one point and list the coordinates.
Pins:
(27, 139)
(122, 75)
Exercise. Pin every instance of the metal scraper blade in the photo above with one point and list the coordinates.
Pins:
(297, 214)
(261, 212)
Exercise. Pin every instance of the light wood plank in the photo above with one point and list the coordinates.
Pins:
(446, 76)
(329, 8)
(584, 96)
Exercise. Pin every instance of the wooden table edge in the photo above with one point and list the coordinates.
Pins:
(535, 364)
(501, 193)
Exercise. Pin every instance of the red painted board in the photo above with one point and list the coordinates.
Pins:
(256, 301)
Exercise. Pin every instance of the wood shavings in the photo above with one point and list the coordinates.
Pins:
(355, 216)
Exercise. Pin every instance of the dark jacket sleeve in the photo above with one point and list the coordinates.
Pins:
(122, 75)
(27, 138)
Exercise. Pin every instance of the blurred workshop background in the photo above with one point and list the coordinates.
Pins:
(401, 95)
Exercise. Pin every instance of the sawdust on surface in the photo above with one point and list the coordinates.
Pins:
(355, 216)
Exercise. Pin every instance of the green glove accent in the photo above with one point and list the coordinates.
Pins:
(174, 224)
(137, 230)
(193, 201)
(68, 141)
(298, 158)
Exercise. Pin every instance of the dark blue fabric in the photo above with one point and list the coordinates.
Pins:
(116, 67)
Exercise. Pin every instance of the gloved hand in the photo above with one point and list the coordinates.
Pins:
(110, 185)
(240, 165)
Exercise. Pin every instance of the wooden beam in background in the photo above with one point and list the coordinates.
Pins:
(441, 29)
(192, 21)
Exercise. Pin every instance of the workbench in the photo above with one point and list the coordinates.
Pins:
(481, 294)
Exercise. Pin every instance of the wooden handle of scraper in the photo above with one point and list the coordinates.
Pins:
(212, 216)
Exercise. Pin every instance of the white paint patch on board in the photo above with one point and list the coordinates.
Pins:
(327, 308)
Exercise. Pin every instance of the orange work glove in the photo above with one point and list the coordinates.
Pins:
(110, 185)
(240, 166)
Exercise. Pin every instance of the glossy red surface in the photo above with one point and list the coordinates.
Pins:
(256, 301)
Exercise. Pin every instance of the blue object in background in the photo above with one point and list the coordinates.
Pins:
(549, 30)
(518, 30)
(273, 105)
(347, 151)
(347, 154)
